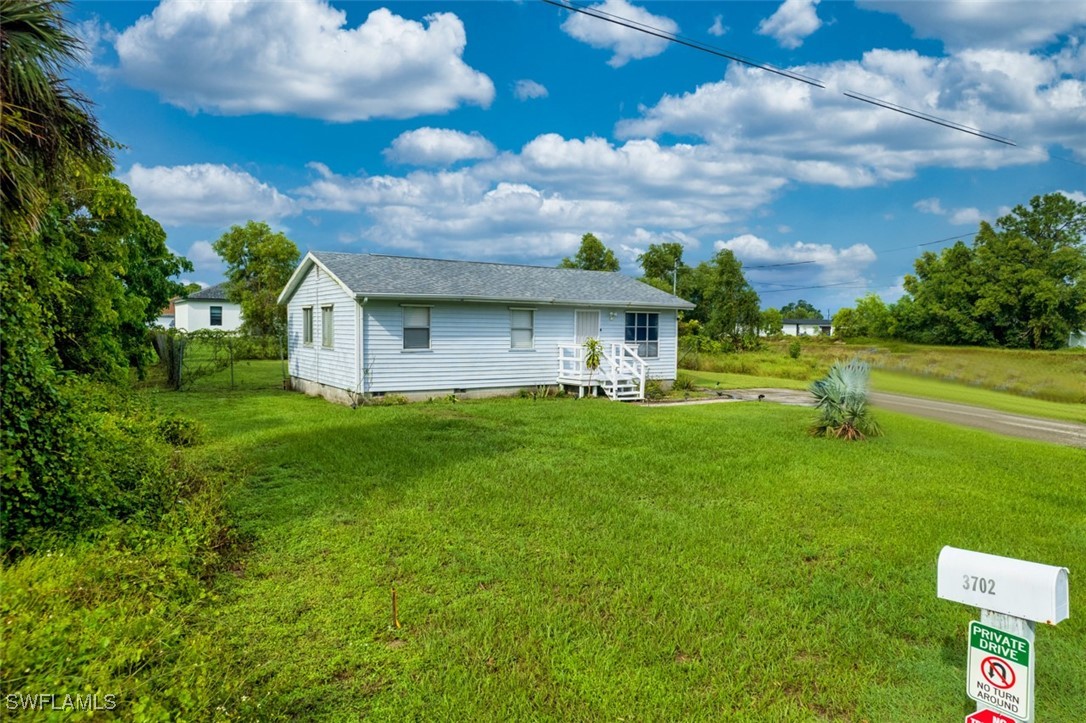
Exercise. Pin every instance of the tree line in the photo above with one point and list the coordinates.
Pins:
(1020, 284)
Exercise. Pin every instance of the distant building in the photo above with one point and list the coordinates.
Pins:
(207, 309)
(807, 327)
(166, 316)
(1077, 340)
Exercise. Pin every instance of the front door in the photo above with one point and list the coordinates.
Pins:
(587, 325)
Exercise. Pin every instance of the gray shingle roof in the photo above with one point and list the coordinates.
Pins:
(216, 292)
(406, 277)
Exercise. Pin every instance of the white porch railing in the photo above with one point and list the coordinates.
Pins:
(621, 375)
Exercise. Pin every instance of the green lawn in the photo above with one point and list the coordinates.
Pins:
(583, 560)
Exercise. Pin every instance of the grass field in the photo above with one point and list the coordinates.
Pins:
(563, 559)
(1038, 383)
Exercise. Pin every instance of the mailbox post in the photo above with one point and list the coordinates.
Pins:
(1013, 595)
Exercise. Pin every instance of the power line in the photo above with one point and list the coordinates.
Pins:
(678, 39)
(773, 266)
(929, 243)
(929, 118)
(714, 50)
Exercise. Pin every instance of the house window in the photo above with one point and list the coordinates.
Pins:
(644, 330)
(327, 327)
(216, 316)
(521, 329)
(416, 327)
(307, 325)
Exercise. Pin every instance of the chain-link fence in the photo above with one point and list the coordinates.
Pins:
(209, 360)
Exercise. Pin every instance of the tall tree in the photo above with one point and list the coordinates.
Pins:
(1021, 284)
(117, 275)
(259, 264)
(591, 256)
(800, 310)
(730, 305)
(943, 296)
(660, 261)
(1034, 273)
(45, 126)
(871, 318)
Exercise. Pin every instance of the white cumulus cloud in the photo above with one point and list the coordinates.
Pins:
(810, 264)
(625, 43)
(988, 23)
(815, 135)
(298, 58)
(438, 147)
(205, 194)
(792, 23)
(203, 256)
(718, 28)
(527, 89)
(965, 216)
(930, 205)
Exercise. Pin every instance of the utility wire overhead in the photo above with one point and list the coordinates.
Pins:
(774, 266)
(680, 40)
(714, 50)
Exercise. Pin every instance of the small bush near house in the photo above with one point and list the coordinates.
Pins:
(684, 383)
(654, 390)
(842, 403)
(795, 349)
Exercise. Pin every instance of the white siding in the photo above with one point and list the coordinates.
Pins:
(195, 314)
(470, 346)
(336, 366)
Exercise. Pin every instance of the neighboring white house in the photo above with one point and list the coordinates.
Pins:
(166, 316)
(368, 324)
(1077, 340)
(207, 309)
(807, 327)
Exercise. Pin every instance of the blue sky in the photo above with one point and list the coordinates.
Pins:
(503, 131)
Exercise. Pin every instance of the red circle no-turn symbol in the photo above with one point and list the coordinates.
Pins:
(998, 672)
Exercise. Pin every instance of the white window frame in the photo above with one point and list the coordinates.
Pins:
(307, 325)
(646, 341)
(328, 330)
(530, 329)
(429, 327)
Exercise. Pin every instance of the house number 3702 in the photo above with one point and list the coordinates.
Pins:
(978, 584)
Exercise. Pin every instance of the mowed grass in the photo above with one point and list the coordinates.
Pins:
(1038, 383)
(584, 560)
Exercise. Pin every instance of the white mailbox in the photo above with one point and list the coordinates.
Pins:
(1022, 589)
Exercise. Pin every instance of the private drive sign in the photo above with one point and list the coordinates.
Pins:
(999, 670)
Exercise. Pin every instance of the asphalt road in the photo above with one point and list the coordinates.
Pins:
(1069, 434)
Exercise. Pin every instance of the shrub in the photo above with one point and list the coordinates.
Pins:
(654, 390)
(683, 383)
(795, 349)
(180, 431)
(842, 403)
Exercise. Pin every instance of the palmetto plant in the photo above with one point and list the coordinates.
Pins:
(842, 403)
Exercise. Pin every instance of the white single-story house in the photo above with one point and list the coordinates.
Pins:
(207, 309)
(362, 325)
(1077, 340)
(807, 327)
